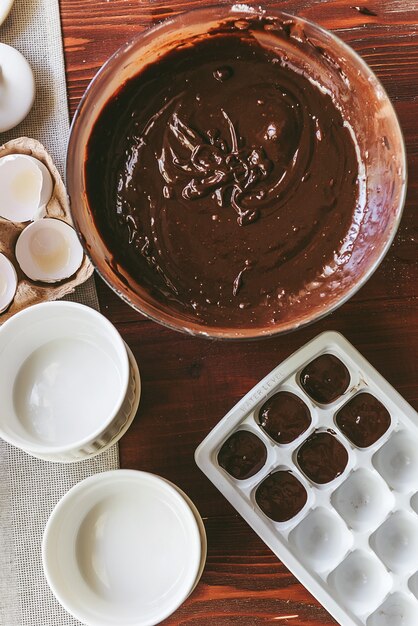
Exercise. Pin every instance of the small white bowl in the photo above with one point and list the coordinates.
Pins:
(64, 376)
(122, 548)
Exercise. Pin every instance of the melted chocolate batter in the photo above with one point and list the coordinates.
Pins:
(363, 420)
(325, 378)
(284, 417)
(223, 180)
(242, 455)
(322, 457)
(281, 496)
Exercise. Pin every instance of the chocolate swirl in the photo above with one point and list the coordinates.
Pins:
(225, 171)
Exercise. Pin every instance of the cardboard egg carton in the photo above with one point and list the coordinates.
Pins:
(30, 292)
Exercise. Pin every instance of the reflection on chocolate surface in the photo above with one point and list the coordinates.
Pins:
(284, 417)
(363, 420)
(325, 378)
(322, 457)
(242, 455)
(281, 496)
(224, 181)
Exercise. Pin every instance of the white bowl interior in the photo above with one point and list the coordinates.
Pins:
(122, 547)
(63, 375)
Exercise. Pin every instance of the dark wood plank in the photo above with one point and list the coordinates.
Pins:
(189, 384)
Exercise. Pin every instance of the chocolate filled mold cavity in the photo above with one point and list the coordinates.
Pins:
(284, 417)
(397, 610)
(396, 542)
(363, 500)
(322, 458)
(397, 461)
(321, 539)
(242, 455)
(361, 582)
(363, 420)
(325, 379)
(281, 496)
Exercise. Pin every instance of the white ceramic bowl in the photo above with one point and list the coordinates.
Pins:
(64, 374)
(122, 548)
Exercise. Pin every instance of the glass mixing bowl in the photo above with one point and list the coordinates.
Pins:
(357, 93)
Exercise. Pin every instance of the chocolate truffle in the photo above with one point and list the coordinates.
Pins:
(322, 457)
(325, 378)
(363, 420)
(281, 496)
(284, 417)
(242, 455)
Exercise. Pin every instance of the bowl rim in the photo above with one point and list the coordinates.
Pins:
(194, 328)
(101, 482)
(119, 344)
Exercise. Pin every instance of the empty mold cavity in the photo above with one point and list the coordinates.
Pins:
(397, 610)
(363, 420)
(397, 461)
(284, 417)
(396, 542)
(242, 455)
(361, 582)
(363, 500)
(325, 378)
(413, 584)
(321, 457)
(414, 502)
(321, 539)
(281, 496)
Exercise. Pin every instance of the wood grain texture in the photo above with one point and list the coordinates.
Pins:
(189, 384)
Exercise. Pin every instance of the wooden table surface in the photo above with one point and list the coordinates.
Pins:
(189, 384)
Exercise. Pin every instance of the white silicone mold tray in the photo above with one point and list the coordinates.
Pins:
(352, 540)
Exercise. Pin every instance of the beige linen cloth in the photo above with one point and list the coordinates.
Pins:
(29, 489)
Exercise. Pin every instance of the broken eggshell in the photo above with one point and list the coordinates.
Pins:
(29, 292)
(8, 282)
(48, 250)
(26, 187)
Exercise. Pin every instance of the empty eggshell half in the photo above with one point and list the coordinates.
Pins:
(26, 187)
(48, 250)
(8, 282)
